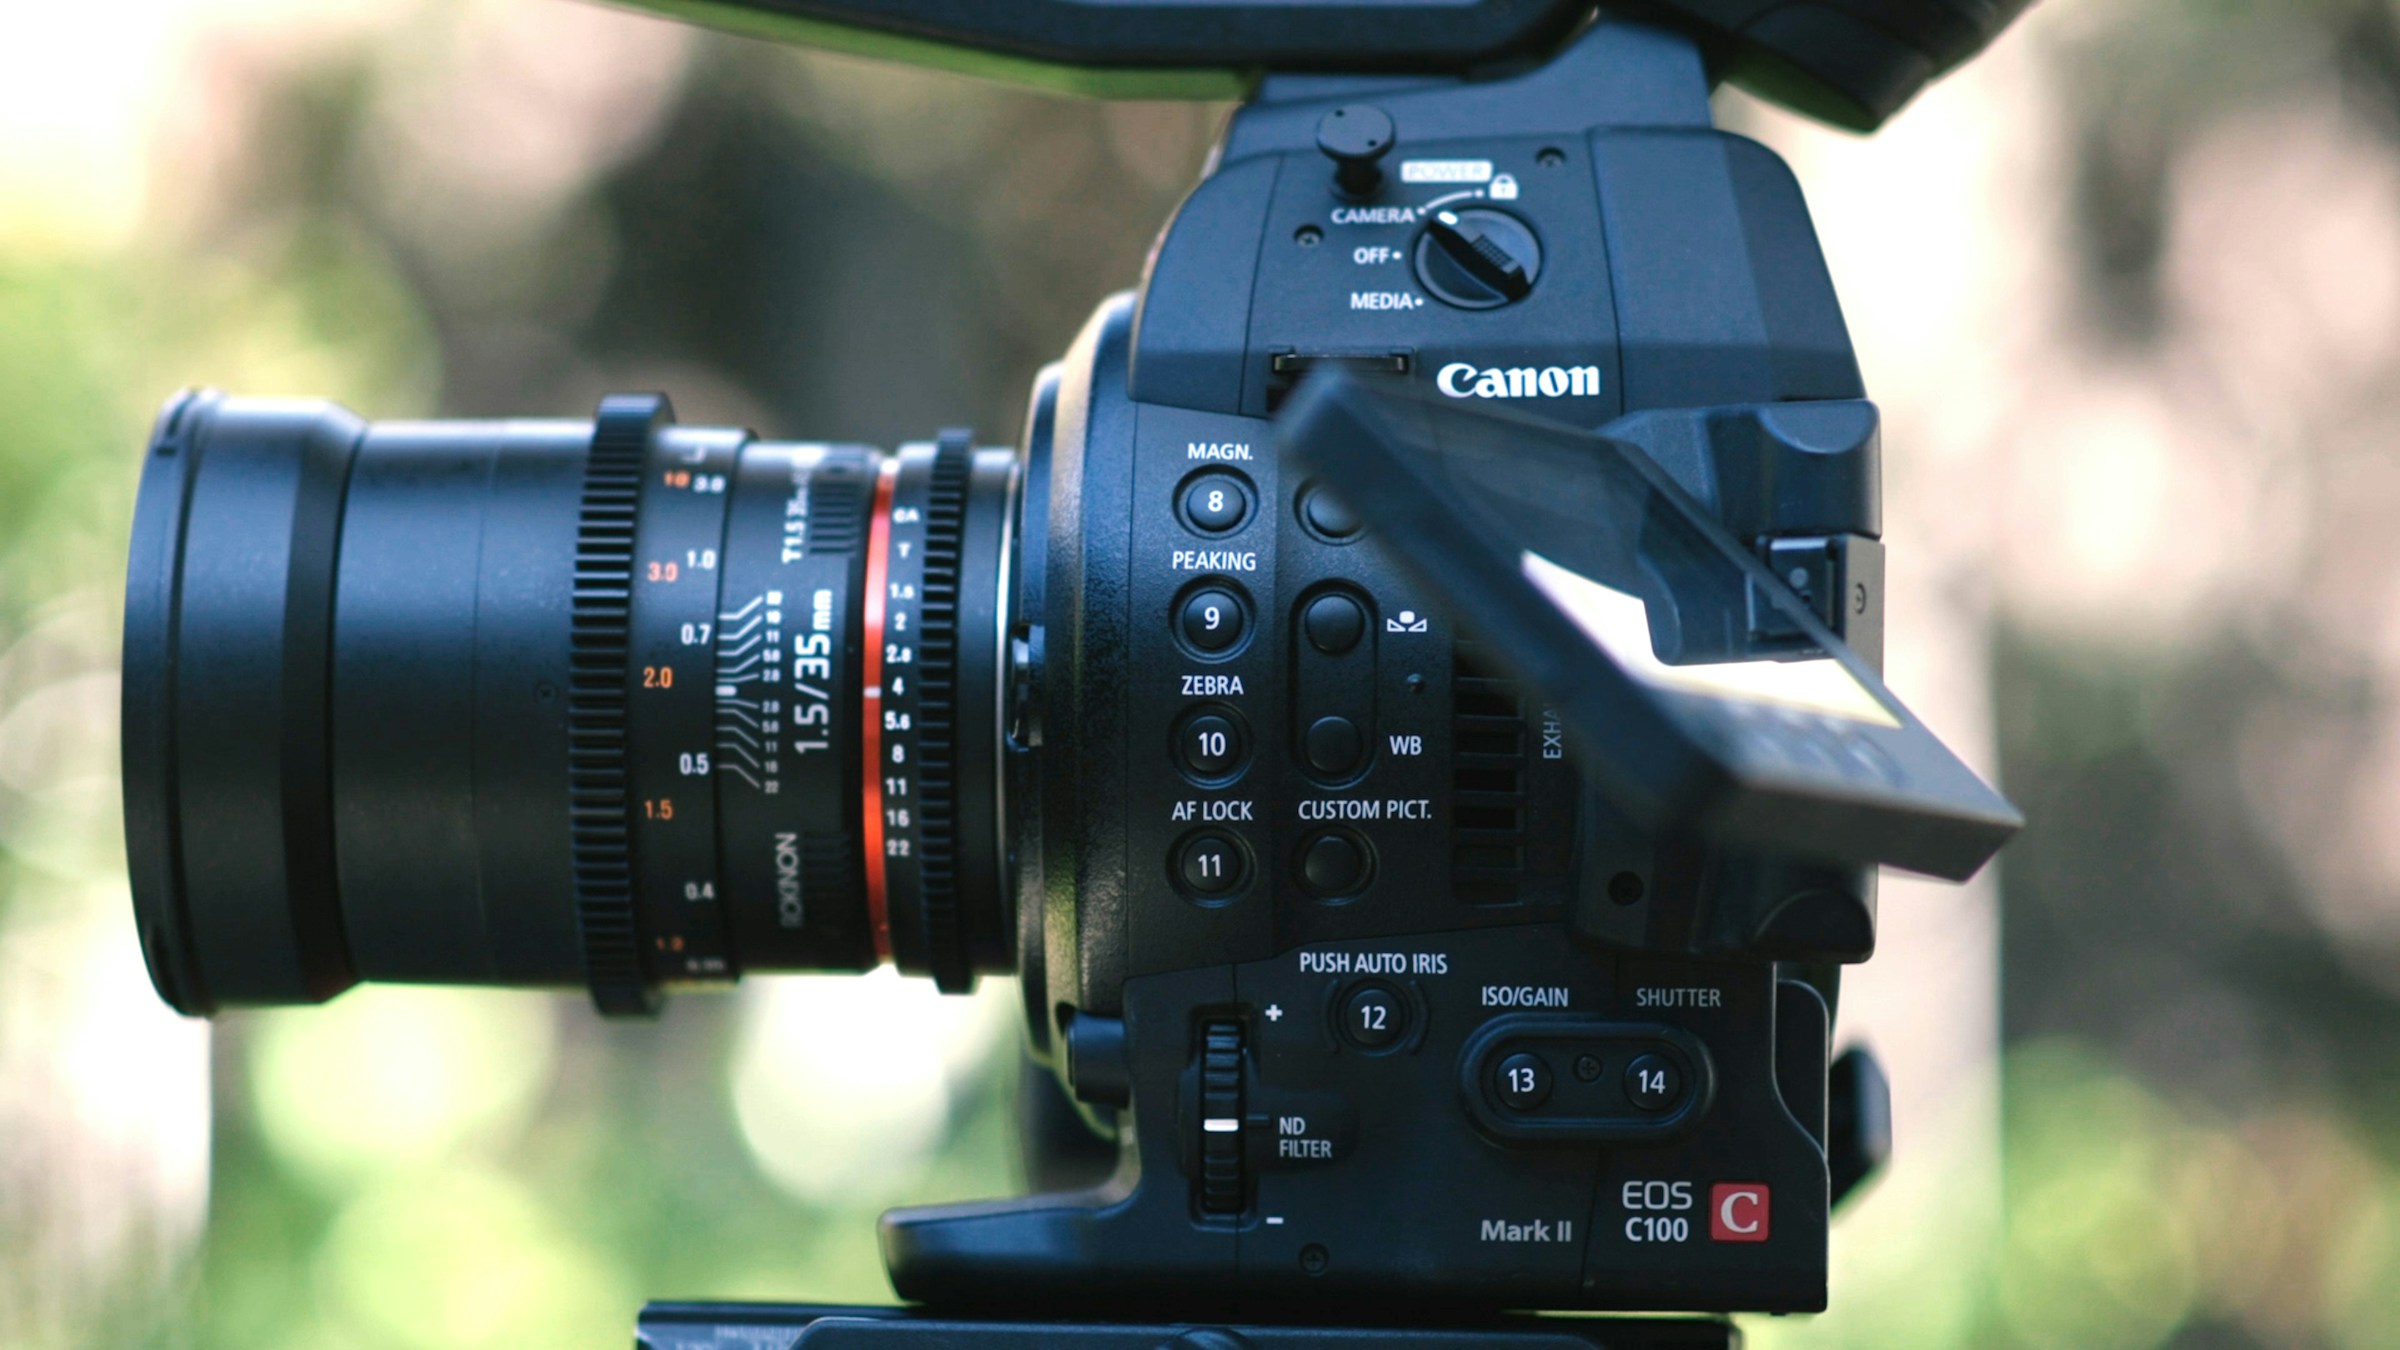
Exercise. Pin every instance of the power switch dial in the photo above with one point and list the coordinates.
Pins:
(1475, 258)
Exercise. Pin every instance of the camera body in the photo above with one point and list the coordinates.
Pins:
(1389, 1009)
(1408, 713)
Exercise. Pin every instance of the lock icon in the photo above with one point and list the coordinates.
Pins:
(1504, 187)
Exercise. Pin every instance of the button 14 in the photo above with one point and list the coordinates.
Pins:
(1653, 1083)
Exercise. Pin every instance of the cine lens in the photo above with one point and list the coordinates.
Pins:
(617, 703)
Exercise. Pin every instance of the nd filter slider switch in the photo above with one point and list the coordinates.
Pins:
(1221, 1182)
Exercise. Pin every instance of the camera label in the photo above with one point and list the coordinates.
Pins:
(1217, 811)
(1367, 808)
(1529, 1230)
(1657, 1211)
(1445, 171)
(1295, 1142)
(1374, 215)
(1688, 996)
(1460, 379)
(1211, 686)
(1738, 1212)
(1221, 451)
(1374, 963)
(1525, 996)
(1214, 560)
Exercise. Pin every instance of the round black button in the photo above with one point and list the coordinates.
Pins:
(1333, 623)
(1212, 620)
(1334, 745)
(1327, 516)
(1354, 137)
(1522, 1082)
(1653, 1083)
(1374, 1017)
(1210, 744)
(1215, 503)
(1333, 865)
(1210, 865)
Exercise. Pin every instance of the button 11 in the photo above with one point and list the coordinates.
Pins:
(1210, 865)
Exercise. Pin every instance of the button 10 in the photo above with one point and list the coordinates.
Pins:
(1211, 744)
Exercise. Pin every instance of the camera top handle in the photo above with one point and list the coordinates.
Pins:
(1849, 62)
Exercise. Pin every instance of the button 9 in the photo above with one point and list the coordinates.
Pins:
(1212, 620)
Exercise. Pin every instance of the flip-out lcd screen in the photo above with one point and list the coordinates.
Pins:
(1699, 693)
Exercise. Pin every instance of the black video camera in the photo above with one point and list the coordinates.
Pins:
(1407, 712)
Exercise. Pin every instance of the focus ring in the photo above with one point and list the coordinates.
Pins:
(937, 712)
(596, 707)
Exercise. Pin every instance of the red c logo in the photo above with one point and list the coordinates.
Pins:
(1738, 1212)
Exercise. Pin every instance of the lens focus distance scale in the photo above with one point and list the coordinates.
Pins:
(679, 544)
(596, 705)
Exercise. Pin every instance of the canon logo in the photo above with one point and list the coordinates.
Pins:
(1460, 380)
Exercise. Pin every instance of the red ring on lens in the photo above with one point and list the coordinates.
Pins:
(870, 702)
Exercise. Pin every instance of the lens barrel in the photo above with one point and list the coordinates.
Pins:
(617, 703)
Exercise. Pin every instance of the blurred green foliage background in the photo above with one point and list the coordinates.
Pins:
(2129, 289)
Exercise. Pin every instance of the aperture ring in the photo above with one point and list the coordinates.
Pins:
(599, 646)
(937, 712)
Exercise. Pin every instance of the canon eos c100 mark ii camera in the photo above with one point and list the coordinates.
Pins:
(1406, 713)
